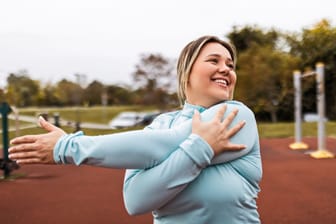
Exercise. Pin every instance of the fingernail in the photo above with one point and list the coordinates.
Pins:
(40, 119)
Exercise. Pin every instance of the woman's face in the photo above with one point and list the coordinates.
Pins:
(212, 78)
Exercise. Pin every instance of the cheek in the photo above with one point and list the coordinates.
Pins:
(234, 80)
(196, 80)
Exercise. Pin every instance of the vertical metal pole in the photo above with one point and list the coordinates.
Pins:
(321, 152)
(5, 109)
(298, 144)
(320, 105)
(298, 118)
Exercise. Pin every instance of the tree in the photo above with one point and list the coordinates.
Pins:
(245, 37)
(118, 95)
(2, 95)
(21, 90)
(93, 93)
(265, 80)
(264, 71)
(48, 96)
(154, 76)
(317, 44)
(69, 93)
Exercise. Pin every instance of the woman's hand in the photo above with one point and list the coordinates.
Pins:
(217, 132)
(36, 149)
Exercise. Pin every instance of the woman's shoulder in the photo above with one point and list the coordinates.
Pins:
(236, 104)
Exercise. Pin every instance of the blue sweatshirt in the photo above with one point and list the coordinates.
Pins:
(154, 147)
(184, 189)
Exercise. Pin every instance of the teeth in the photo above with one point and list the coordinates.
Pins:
(222, 81)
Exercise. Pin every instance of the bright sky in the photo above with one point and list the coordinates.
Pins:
(103, 39)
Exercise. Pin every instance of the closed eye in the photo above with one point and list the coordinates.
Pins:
(213, 60)
(231, 66)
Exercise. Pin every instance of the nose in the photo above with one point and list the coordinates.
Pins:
(224, 68)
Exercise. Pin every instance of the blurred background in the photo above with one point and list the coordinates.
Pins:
(108, 66)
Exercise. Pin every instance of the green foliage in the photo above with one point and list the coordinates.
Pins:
(266, 60)
(314, 45)
(120, 96)
(69, 93)
(264, 71)
(155, 78)
(93, 93)
(21, 90)
(246, 37)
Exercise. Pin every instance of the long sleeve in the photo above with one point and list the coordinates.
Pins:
(165, 180)
(170, 177)
(144, 148)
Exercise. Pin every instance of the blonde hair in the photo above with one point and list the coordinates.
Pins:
(188, 57)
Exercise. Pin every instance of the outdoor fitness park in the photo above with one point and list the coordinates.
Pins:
(297, 186)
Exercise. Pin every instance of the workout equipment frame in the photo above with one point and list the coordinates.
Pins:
(321, 151)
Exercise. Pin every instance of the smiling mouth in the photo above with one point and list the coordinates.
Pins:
(222, 82)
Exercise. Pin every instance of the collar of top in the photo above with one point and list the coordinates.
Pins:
(188, 109)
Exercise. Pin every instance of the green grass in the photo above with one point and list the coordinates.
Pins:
(283, 130)
(88, 114)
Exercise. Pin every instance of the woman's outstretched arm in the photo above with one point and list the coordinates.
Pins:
(134, 149)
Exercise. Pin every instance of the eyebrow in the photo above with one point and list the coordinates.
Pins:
(218, 55)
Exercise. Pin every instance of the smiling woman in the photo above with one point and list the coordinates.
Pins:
(221, 193)
(200, 164)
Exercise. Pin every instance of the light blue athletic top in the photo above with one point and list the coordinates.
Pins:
(184, 190)
(177, 158)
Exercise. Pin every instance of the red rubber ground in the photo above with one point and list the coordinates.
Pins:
(295, 189)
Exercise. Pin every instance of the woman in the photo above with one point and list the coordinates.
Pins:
(185, 192)
(194, 144)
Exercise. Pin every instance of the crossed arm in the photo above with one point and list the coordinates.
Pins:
(150, 189)
(138, 149)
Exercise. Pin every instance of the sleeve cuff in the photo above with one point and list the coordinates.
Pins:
(61, 148)
(198, 150)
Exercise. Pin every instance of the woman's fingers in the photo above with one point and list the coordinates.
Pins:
(235, 147)
(46, 125)
(220, 113)
(228, 120)
(25, 143)
(196, 119)
(24, 139)
(21, 155)
(31, 154)
(232, 131)
(28, 161)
